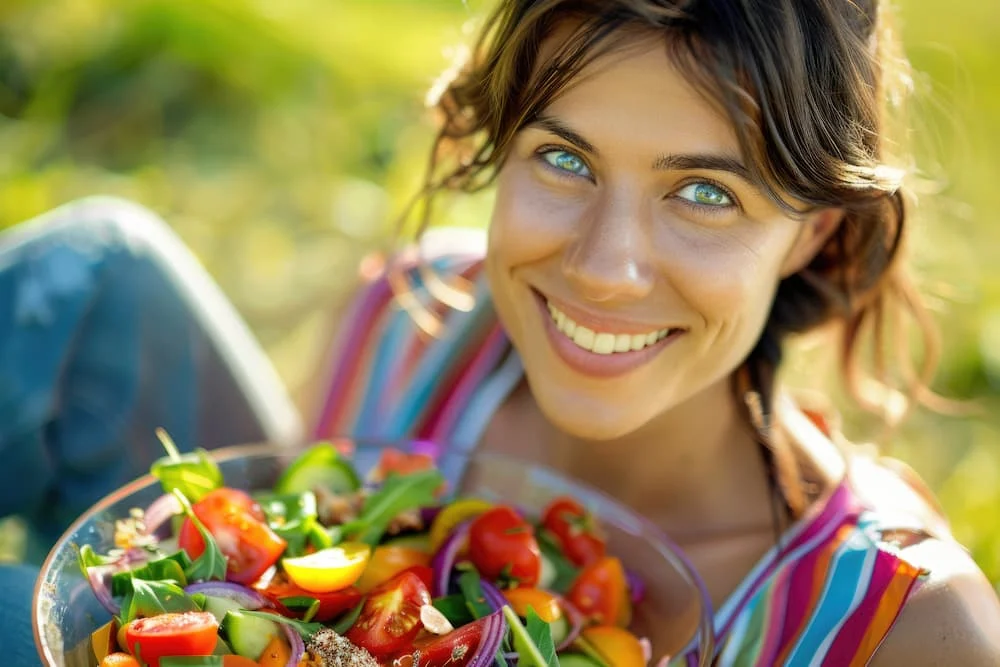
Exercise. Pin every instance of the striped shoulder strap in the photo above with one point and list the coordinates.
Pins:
(390, 381)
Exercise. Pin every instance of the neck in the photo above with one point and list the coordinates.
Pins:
(695, 470)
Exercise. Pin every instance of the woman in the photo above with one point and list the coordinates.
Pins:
(679, 187)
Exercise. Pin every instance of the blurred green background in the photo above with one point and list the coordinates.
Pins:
(281, 137)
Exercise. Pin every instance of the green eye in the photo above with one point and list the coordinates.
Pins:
(567, 162)
(705, 194)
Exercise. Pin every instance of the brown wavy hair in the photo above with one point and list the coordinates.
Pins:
(808, 86)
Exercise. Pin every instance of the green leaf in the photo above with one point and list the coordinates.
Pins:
(292, 516)
(307, 630)
(533, 643)
(350, 618)
(151, 598)
(454, 609)
(397, 494)
(169, 568)
(193, 474)
(565, 571)
(304, 603)
(87, 558)
(211, 564)
(472, 591)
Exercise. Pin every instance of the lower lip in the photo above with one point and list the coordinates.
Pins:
(599, 365)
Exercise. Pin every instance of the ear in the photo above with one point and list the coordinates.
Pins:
(815, 232)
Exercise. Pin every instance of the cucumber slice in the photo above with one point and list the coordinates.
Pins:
(319, 466)
(192, 661)
(248, 635)
(218, 607)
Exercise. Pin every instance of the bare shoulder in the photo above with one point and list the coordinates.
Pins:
(953, 619)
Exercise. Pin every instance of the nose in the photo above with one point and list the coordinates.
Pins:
(610, 257)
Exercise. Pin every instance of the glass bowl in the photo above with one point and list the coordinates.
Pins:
(674, 612)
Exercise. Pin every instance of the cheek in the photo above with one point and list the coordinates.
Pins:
(727, 276)
(529, 223)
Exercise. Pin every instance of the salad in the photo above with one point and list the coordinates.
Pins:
(330, 569)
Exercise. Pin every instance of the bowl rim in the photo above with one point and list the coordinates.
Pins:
(674, 553)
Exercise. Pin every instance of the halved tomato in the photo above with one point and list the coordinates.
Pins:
(454, 649)
(387, 561)
(190, 633)
(331, 604)
(390, 616)
(238, 525)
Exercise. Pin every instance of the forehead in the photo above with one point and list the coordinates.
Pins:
(635, 95)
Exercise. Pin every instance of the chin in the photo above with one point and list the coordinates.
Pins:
(574, 418)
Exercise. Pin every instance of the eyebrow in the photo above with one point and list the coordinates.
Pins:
(678, 162)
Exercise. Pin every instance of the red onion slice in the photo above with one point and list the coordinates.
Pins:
(494, 629)
(295, 642)
(443, 561)
(636, 587)
(159, 512)
(241, 595)
(494, 598)
(100, 581)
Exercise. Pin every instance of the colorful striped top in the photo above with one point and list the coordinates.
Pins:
(827, 594)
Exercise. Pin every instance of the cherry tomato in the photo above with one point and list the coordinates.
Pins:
(190, 633)
(425, 572)
(331, 604)
(454, 649)
(617, 646)
(241, 531)
(502, 546)
(387, 561)
(545, 604)
(119, 660)
(575, 530)
(390, 616)
(600, 591)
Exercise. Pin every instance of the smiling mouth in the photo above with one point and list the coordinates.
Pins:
(603, 342)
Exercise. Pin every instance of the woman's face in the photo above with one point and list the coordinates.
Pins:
(631, 262)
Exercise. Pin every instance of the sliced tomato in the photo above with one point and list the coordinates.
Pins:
(331, 604)
(190, 633)
(600, 591)
(387, 561)
(119, 659)
(502, 546)
(617, 646)
(238, 525)
(454, 649)
(425, 572)
(390, 616)
(575, 529)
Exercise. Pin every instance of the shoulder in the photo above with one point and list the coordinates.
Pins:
(952, 619)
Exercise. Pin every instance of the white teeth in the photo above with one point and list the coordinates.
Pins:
(584, 337)
(600, 342)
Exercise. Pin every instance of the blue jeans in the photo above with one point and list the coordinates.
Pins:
(108, 329)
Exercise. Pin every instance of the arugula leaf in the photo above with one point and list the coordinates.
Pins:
(211, 564)
(454, 609)
(150, 598)
(193, 474)
(472, 590)
(350, 618)
(292, 516)
(541, 634)
(397, 494)
(565, 571)
(87, 558)
(533, 643)
(304, 603)
(169, 568)
(307, 630)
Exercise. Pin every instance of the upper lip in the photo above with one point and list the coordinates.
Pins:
(602, 322)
